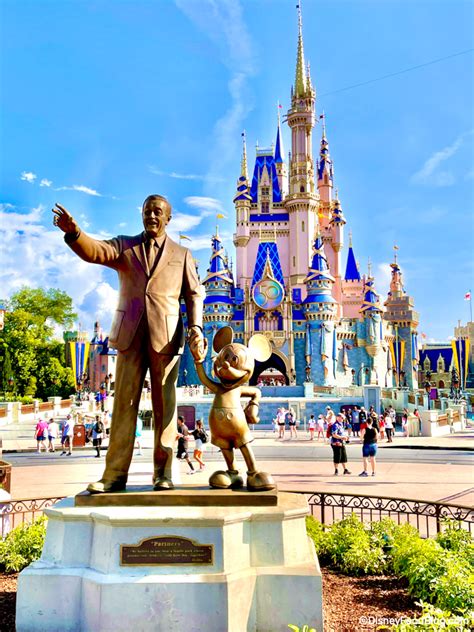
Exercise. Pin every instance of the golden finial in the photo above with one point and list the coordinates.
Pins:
(350, 238)
(243, 164)
(369, 268)
(395, 248)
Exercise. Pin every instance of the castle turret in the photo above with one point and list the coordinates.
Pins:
(320, 310)
(400, 312)
(336, 225)
(303, 201)
(372, 336)
(242, 202)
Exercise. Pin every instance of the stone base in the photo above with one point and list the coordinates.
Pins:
(182, 496)
(263, 574)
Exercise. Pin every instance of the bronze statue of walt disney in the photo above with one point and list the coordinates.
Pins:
(155, 273)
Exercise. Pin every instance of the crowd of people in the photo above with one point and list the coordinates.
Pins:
(337, 429)
(48, 432)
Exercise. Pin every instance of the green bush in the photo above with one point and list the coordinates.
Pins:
(22, 546)
(434, 574)
(438, 571)
(348, 546)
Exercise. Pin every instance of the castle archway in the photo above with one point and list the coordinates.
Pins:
(275, 370)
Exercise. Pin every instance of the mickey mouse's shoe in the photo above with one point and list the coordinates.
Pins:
(260, 482)
(226, 479)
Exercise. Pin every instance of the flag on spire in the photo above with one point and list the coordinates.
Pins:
(467, 296)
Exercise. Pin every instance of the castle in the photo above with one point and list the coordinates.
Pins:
(294, 281)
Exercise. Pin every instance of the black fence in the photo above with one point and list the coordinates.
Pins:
(426, 516)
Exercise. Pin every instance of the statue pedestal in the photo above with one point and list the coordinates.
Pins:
(174, 568)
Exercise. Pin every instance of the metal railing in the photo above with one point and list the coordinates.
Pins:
(13, 513)
(426, 516)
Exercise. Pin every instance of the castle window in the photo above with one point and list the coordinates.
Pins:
(294, 261)
(302, 227)
(266, 191)
(301, 189)
(265, 207)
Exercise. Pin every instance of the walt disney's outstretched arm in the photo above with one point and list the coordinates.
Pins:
(91, 250)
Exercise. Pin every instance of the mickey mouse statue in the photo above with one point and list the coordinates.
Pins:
(228, 421)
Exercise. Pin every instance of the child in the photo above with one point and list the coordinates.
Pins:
(311, 427)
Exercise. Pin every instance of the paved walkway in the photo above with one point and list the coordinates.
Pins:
(460, 441)
(417, 473)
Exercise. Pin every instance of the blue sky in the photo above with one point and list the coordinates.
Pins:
(105, 102)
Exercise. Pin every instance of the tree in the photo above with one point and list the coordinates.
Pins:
(28, 349)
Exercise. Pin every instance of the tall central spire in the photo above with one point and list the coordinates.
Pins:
(300, 77)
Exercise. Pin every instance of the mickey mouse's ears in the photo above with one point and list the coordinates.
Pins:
(260, 347)
(223, 337)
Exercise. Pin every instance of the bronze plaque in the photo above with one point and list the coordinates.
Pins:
(166, 550)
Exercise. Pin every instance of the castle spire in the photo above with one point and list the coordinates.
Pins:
(243, 162)
(325, 166)
(279, 143)
(300, 77)
(243, 189)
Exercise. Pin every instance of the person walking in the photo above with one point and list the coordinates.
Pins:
(338, 440)
(369, 447)
(320, 427)
(183, 438)
(405, 422)
(97, 434)
(280, 417)
(53, 431)
(290, 415)
(200, 439)
(389, 427)
(355, 421)
(138, 435)
(41, 434)
(67, 435)
(311, 427)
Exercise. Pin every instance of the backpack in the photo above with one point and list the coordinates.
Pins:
(329, 431)
(203, 436)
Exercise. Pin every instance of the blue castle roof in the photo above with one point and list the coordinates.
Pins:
(319, 265)
(268, 161)
(371, 301)
(218, 269)
(278, 146)
(352, 271)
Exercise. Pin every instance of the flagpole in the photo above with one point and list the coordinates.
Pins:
(470, 304)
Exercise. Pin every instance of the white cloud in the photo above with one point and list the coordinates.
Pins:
(81, 188)
(28, 176)
(99, 304)
(207, 204)
(430, 173)
(35, 255)
(4, 206)
(46, 183)
(122, 224)
(185, 176)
